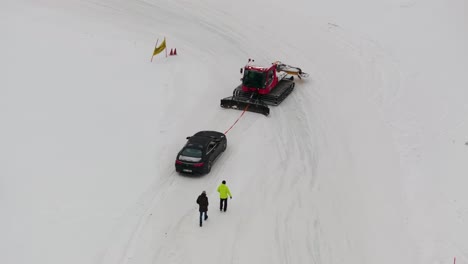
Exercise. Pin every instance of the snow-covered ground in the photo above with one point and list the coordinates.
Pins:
(365, 162)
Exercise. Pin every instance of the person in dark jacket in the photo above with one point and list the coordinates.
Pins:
(202, 202)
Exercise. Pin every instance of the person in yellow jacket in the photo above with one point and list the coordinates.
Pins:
(223, 195)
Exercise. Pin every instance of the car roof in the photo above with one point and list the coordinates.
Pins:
(196, 140)
(204, 137)
(210, 134)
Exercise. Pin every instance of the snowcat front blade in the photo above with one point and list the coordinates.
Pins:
(259, 107)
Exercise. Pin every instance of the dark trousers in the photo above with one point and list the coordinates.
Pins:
(223, 204)
(201, 217)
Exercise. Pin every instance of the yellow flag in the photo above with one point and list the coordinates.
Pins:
(161, 47)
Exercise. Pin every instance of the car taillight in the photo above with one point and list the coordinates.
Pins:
(178, 162)
(198, 164)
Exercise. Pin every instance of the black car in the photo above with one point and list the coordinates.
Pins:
(200, 152)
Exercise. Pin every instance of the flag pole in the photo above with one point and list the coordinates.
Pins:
(154, 48)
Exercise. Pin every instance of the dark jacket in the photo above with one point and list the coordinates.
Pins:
(202, 201)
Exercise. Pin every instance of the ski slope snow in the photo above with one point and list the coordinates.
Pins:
(365, 162)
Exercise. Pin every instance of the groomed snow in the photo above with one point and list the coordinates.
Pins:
(365, 162)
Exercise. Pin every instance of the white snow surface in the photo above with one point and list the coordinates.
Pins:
(365, 162)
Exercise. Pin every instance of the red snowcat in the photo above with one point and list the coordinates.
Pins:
(263, 86)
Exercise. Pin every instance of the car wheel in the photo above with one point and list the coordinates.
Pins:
(208, 167)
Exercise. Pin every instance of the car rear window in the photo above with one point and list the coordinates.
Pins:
(192, 152)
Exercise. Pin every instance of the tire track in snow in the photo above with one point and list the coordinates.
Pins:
(295, 129)
(135, 216)
(378, 74)
(132, 248)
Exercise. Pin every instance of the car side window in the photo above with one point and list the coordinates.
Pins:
(211, 146)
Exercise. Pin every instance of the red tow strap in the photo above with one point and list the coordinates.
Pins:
(243, 112)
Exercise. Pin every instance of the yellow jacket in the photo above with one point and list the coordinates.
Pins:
(224, 191)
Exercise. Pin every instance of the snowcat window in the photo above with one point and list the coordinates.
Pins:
(270, 77)
(254, 79)
(192, 152)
